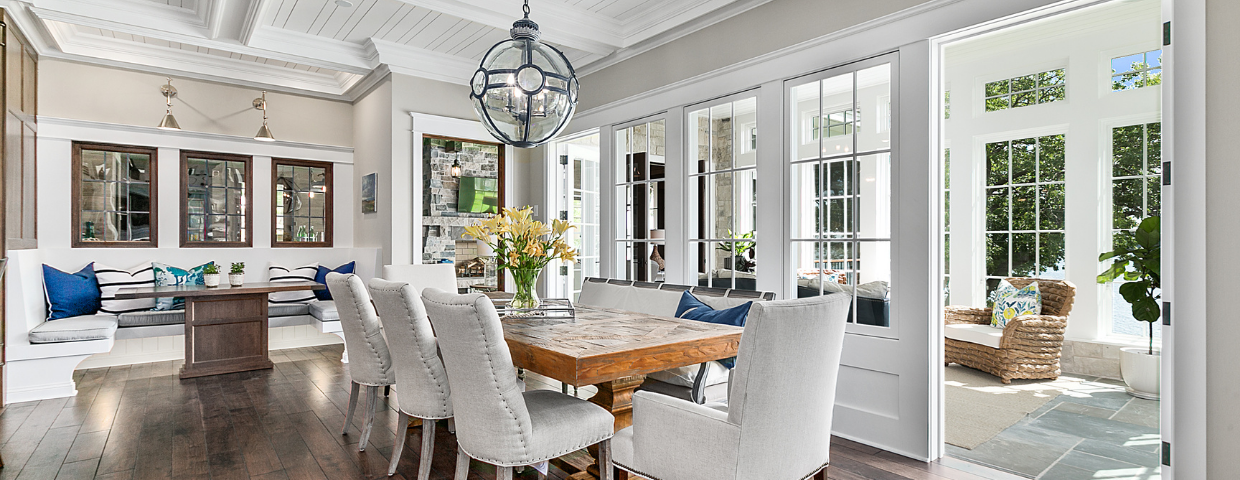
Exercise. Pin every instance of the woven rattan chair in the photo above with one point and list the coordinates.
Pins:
(1031, 344)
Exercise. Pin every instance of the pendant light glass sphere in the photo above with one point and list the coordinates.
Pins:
(525, 91)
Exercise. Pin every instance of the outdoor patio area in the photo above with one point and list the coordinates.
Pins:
(1078, 427)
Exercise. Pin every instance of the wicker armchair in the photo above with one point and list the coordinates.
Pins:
(1031, 344)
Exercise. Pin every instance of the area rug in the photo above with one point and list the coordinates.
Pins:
(979, 405)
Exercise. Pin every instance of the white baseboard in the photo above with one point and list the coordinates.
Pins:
(162, 349)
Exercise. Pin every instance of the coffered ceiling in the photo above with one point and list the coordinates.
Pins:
(334, 48)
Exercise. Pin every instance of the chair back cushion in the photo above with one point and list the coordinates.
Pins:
(421, 382)
(369, 360)
(431, 275)
(492, 420)
(1057, 295)
(783, 386)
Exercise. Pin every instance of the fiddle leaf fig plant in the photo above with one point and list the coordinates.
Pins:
(1140, 266)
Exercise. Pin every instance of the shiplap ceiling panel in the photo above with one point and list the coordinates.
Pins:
(333, 48)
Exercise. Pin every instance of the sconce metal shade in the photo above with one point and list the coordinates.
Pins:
(264, 134)
(524, 91)
(169, 123)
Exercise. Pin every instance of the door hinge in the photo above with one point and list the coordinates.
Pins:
(1166, 453)
(564, 215)
(1166, 313)
(1166, 33)
(1166, 174)
(564, 271)
(563, 159)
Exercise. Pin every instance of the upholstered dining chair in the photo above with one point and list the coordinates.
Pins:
(777, 423)
(496, 422)
(370, 364)
(421, 383)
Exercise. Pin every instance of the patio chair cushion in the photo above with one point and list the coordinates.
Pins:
(153, 317)
(974, 333)
(325, 311)
(70, 294)
(1011, 302)
(113, 279)
(75, 329)
(280, 274)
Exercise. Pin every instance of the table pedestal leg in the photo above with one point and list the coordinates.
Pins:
(617, 397)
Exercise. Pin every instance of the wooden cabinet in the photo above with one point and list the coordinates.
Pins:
(19, 76)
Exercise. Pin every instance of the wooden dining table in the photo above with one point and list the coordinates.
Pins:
(612, 350)
(225, 326)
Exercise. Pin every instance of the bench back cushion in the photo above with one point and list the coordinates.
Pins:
(659, 299)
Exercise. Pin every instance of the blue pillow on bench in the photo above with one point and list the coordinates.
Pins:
(321, 277)
(71, 294)
(693, 309)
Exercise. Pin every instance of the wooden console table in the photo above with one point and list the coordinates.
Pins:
(225, 326)
(613, 350)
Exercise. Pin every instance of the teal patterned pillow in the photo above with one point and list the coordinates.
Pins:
(168, 275)
(1011, 303)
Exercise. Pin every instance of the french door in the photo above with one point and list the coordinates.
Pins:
(846, 234)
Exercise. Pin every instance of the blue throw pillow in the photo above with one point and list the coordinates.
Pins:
(321, 277)
(693, 309)
(71, 294)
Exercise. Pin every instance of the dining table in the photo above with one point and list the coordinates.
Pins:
(225, 326)
(612, 350)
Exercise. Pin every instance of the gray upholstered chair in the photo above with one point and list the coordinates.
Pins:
(369, 361)
(496, 422)
(777, 424)
(421, 383)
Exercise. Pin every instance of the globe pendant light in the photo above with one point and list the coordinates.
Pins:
(524, 91)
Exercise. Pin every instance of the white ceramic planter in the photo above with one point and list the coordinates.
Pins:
(211, 279)
(236, 279)
(1141, 371)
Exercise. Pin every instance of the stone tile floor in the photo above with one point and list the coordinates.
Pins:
(1096, 431)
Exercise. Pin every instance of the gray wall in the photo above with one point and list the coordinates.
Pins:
(102, 94)
(372, 153)
(770, 27)
(1222, 234)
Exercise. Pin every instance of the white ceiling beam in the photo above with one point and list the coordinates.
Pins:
(215, 17)
(420, 62)
(568, 26)
(329, 57)
(659, 18)
(174, 61)
(255, 13)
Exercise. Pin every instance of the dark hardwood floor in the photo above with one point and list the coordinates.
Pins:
(142, 422)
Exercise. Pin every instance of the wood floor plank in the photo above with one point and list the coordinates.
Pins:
(80, 470)
(87, 446)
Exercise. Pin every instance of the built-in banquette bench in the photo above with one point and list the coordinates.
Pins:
(41, 355)
(662, 299)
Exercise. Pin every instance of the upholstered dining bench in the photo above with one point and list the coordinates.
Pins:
(662, 299)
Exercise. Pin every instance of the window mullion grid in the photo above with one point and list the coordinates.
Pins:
(1010, 224)
(1037, 207)
(1145, 168)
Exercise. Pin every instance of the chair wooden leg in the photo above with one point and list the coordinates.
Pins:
(387, 390)
(372, 398)
(452, 426)
(428, 449)
(822, 474)
(402, 431)
(604, 460)
(503, 473)
(462, 464)
(348, 419)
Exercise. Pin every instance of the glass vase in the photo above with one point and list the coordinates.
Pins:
(526, 280)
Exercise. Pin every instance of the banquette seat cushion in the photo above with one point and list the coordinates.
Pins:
(74, 329)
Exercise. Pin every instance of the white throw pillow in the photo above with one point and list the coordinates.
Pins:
(279, 274)
(113, 279)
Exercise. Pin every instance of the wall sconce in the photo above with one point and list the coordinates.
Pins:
(169, 122)
(456, 168)
(264, 133)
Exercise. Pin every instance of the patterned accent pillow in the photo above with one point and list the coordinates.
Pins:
(113, 279)
(168, 275)
(1011, 303)
(278, 274)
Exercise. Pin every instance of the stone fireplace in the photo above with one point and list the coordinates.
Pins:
(443, 227)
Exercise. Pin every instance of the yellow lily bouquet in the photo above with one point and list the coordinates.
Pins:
(524, 246)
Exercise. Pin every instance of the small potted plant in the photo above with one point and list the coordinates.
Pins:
(211, 275)
(236, 274)
(1141, 265)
